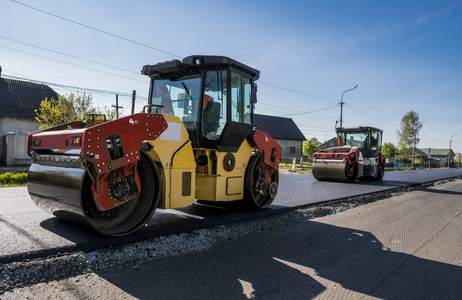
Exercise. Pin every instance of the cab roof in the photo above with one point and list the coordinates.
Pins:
(357, 129)
(193, 64)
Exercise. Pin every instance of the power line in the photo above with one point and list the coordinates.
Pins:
(316, 130)
(114, 67)
(95, 29)
(318, 120)
(282, 107)
(64, 54)
(317, 117)
(422, 132)
(150, 47)
(153, 48)
(128, 95)
(316, 127)
(371, 115)
(308, 112)
(275, 106)
(68, 63)
(298, 92)
(62, 86)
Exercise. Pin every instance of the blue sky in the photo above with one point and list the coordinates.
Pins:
(404, 55)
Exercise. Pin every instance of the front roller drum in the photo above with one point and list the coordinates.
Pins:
(333, 171)
(66, 193)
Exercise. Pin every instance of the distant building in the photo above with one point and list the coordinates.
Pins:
(438, 156)
(330, 143)
(18, 102)
(285, 132)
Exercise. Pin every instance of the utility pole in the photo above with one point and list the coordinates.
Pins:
(117, 106)
(133, 101)
(430, 158)
(415, 142)
(341, 106)
(450, 144)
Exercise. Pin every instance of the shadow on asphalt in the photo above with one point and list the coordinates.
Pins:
(371, 182)
(305, 262)
(387, 183)
(443, 192)
(176, 221)
(163, 223)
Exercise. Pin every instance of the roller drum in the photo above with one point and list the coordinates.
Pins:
(57, 190)
(330, 170)
(66, 193)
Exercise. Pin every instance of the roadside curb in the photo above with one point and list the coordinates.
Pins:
(29, 272)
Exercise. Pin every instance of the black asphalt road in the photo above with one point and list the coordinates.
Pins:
(402, 247)
(28, 232)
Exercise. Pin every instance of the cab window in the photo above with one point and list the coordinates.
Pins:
(376, 140)
(214, 108)
(356, 139)
(179, 97)
(241, 106)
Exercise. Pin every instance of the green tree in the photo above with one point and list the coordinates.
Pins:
(404, 154)
(311, 146)
(109, 113)
(68, 108)
(457, 159)
(389, 150)
(409, 131)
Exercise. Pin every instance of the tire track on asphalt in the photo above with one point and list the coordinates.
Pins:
(396, 278)
(407, 234)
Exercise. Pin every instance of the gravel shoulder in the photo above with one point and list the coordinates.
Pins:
(404, 246)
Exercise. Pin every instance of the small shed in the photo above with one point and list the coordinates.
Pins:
(18, 102)
(285, 132)
(444, 157)
(330, 143)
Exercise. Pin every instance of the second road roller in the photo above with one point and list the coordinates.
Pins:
(357, 156)
(194, 140)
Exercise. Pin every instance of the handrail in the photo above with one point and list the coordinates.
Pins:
(151, 105)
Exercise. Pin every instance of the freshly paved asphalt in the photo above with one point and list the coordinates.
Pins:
(402, 247)
(28, 232)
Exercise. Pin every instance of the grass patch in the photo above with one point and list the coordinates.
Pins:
(289, 165)
(12, 179)
(304, 169)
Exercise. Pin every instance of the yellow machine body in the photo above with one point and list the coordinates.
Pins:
(184, 180)
(224, 185)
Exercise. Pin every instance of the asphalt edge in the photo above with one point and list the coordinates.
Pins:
(29, 272)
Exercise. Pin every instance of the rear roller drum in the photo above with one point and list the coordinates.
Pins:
(130, 216)
(259, 190)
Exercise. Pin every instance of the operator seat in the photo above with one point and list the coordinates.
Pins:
(211, 118)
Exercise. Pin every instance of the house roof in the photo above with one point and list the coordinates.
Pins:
(436, 152)
(279, 127)
(421, 153)
(19, 99)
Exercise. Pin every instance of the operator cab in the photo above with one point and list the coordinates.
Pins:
(213, 95)
(367, 139)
